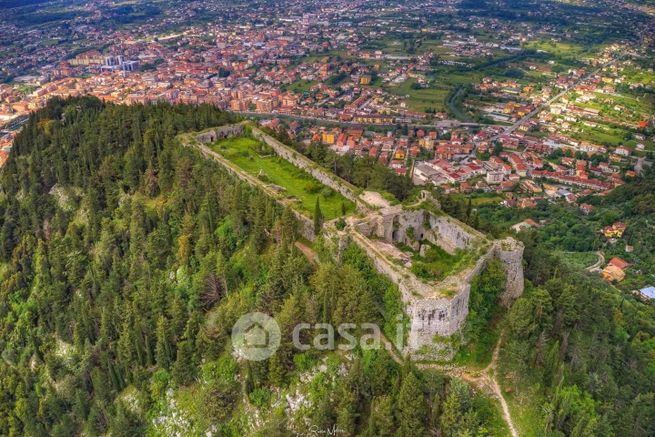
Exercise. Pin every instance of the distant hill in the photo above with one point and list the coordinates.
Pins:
(5, 4)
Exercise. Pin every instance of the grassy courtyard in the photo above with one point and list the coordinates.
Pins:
(437, 263)
(261, 162)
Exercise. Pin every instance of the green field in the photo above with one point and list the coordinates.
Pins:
(563, 50)
(423, 98)
(578, 260)
(302, 86)
(260, 161)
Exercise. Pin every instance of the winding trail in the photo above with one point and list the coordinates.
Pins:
(484, 380)
(596, 266)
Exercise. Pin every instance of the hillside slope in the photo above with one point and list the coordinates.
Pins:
(125, 260)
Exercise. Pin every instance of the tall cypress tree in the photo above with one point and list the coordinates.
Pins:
(318, 217)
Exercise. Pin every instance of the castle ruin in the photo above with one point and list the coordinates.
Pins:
(437, 309)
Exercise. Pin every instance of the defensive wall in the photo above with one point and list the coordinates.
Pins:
(436, 309)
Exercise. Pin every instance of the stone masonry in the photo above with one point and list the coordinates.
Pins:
(437, 309)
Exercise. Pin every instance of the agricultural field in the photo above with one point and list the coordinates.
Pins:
(568, 51)
(422, 99)
(577, 260)
(260, 161)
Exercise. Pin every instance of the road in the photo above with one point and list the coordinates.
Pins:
(443, 123)
(15, 124)
(547, 104)
(447, 124)
(510, 129)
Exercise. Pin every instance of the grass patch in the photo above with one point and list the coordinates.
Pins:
(437, 263)
(260, 161)
(302, 86)
(486, 200)
(562, 50)
(577, 260)
(422, 98)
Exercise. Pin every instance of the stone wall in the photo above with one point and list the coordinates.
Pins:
(319, 173)
(410, 227)
(306, 224)
(450, 235)
(510, 252)
(437, 310)
(220, 133)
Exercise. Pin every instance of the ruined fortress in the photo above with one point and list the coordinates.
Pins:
(437, 309)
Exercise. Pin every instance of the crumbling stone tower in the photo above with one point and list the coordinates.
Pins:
(437, 309)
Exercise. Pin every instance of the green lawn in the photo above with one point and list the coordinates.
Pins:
(423, 98)
(260, 161)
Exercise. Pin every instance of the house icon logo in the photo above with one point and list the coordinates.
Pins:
(255, 336)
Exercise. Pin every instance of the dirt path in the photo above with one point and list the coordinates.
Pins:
(596, 266)
(307, 251)
(490, 372)
(391, 349)
(484, 380)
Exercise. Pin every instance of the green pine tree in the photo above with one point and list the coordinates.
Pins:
(381, 420)
(318, 217)
(411, 408)
(162, 348)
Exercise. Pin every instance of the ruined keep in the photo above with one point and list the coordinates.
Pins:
(221, 133)
(437, 309)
